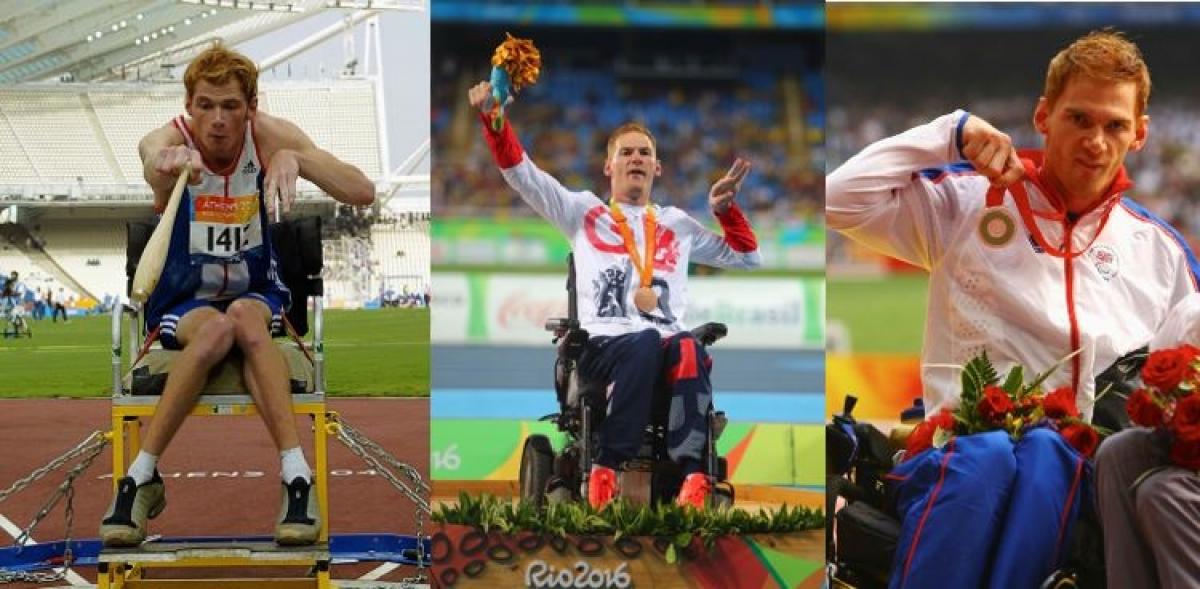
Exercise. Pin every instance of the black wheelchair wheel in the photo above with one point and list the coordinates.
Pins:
(537, 466)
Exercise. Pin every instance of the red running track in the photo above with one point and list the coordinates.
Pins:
(222, 473)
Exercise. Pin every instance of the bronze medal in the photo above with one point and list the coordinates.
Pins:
(645, 299)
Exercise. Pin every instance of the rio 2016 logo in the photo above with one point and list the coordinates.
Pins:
(539, 575)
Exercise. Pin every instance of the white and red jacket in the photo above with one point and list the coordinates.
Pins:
(995, 285)
(605, 277)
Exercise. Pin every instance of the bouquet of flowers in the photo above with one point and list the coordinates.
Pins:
(516, 63)
(1168, 401)
(987, 404)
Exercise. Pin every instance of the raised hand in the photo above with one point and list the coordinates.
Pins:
(722, 193)
(991, 152)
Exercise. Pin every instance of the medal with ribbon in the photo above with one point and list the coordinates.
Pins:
(645, 299)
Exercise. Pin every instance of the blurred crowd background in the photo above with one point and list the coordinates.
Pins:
(708, 98)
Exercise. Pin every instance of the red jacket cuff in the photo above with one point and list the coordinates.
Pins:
(738, 234)
(505, 147)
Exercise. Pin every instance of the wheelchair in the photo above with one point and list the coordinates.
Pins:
(858, 455)
(651, 477)
(15, 323)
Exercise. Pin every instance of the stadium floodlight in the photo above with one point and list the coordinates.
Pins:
(124, 24)
(115, 28)
(140, 16)
(137, 41)
(90, 38)
(187, 22)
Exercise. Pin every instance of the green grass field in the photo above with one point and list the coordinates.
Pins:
(375, 353)
(882, 314)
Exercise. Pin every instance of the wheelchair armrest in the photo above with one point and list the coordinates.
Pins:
(561, 324)
(710, 332)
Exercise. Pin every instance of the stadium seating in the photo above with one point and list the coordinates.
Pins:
(87, 136)
(93, 253)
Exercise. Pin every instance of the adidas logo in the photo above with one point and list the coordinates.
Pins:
(250, 168)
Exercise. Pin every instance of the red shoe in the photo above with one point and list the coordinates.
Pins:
(694, 491)
(602, 486)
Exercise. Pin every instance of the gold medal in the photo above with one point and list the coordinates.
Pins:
(645, 299)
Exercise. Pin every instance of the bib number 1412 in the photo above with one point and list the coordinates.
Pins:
(227, 239)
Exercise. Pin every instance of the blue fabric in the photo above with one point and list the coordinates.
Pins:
(952, 504)
(952, 168)
(636, 364)
(181, 273)
(1045, 486)
(169, 320)
(997, 519)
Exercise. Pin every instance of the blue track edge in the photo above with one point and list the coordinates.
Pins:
(395, 548)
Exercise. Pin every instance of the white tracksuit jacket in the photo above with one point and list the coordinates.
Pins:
(993, 286)
(605, 277)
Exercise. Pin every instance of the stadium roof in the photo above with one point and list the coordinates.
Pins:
(84, 40)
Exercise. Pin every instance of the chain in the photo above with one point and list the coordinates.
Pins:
(90, 448)
(53, 465)
(413, 474)
(363, 447)
(379, 459)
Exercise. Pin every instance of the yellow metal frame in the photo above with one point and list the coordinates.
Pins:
(127, 413)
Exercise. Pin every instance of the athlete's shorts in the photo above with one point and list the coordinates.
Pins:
(171, 318)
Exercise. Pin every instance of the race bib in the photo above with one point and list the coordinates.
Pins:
(224, 226)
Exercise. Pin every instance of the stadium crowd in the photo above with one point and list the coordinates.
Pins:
(700, 127)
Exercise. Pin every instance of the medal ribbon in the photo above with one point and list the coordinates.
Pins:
(995, 198)
(645, 268)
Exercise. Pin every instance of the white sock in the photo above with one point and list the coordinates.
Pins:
(142, 469)
(294, 465)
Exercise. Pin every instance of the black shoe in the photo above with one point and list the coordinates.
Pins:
(299, 516)
(125, 522)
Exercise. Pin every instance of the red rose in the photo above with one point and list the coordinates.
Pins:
(1165, 369)
(1061, 403)
(1143, 410)
(1185, 454)
(1081, 437)
(921, 438)
(1189, 351)
(1185, 423)
(994, 405)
